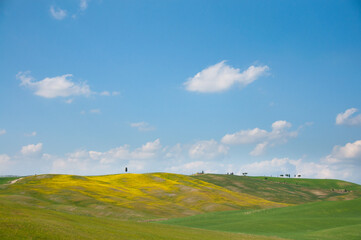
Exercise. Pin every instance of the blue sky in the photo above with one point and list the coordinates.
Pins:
(264, 87)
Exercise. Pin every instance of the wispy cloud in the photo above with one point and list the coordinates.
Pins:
(107, 93)
(58, 13)
(221, 77)
(83, 5)
(2, 131)
(95, 111)
(82, 160)
(348, 118)
(33, 134)
(207, 149)
(142, 126)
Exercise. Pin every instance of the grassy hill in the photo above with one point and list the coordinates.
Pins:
(129, 206)
(129, 196)
(286, 190)
(26, 222)
(319, 220)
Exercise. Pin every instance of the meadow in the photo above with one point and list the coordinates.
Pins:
(174, 206)
(319, 220)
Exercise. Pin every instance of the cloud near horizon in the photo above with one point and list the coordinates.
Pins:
(263, 138)
(85, 161)
(344, 162)
(4, 163)
(207, 149)
(221, 77)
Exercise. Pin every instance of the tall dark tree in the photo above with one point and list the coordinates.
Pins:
(126, 169)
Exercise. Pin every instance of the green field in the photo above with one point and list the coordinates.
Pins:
(320, 220)
(5, 180)
(21, 222)
(173, 206)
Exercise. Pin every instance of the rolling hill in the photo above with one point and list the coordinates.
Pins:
(174, 206)
(129, 196)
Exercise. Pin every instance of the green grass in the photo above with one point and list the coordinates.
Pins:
(128, 196)
(123, 206)
(286, 190)
(26, 222)
(5, 180)
(319, 220)
(327, 184)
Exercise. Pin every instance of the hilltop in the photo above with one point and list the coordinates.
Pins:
(286, 190)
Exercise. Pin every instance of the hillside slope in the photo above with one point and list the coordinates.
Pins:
(22, 222)
(319, 220)
(286, 190)
(128, 196)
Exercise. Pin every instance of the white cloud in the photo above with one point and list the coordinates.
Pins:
(174, 152)
(83, 5)
(207, 149)
(351, 152)
(346, 118)
(191, 167)
(245, 136)
(272, 167)
(146, 151)
(31, 149)
(198, 166)
(263, 138)
(33, 134)
(220, 77)
(259, 149)
(60, 86)
(2, 131)
(68, 101)
(142, 126)
(58, 13)
(278, 166)
(343, 163)
(83, 161)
